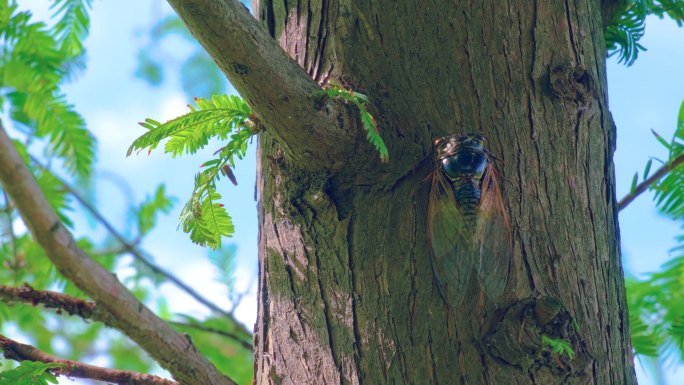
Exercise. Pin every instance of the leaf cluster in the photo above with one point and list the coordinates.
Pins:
(34, 62)
(558, 346)
(223, 117)
(628, 24)
(669, 191)
(337, 91)
(656, 303)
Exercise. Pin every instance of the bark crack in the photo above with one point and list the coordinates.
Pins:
(571, 33)
(326, 313)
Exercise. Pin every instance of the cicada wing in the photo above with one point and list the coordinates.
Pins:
(493, 238)
(452, 252)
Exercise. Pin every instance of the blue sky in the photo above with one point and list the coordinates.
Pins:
(644, 96)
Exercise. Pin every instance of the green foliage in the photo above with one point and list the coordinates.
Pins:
(30, 373)
(656, 303)
(558, 346)
(223, 260)
(72, 25)
(146, 213)
(188, 133)
(223, 117)
(669, 191)
(334, 90)
(628, 24)
(198, 72)
(33, 65)
(55, 194)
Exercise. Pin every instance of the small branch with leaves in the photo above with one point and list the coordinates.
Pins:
(34, 373)
(639, 188)
(222, 117)
(336, 91)
(668, 180)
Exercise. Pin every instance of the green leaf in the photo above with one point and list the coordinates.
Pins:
(628, 24)
(647, 169)
(55, 193)
(205, 219)
(633, 186)
(30, 373)
(558, 346)
(661, 140)
(334, 90)
(188, 133)
(72, 25)
(146, 213)
(680, 118)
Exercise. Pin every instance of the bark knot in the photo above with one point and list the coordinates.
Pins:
(574, 84)
(517, 339)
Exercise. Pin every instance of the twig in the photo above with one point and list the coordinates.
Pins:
(245, 344)
(646, 183)
(22, 352)
(137, 254)
(55, 301)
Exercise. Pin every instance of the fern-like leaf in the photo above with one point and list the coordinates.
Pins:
(188, 133)
(146, 213)
(206, 220)
(72, 26)
(628, 24)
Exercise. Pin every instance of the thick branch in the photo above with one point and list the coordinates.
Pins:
(646, 183)
(274, 85)
(171, 349)
(21, 352)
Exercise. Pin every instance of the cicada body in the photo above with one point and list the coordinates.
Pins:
(468, 226)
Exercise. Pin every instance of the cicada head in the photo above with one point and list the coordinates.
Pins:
(462, 156)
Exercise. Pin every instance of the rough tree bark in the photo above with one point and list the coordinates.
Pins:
(347, 294)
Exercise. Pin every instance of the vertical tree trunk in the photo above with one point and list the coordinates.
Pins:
(347, 293)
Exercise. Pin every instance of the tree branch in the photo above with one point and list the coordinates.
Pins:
(22, 352)
(646, 183)
(138, 254)
(245, 344)
(274, 85)
(56, 301)
(172, 350)
(88, 309)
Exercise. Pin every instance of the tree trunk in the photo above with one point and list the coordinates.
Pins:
(347, 291)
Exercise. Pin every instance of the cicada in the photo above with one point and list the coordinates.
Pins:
(467, 222)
